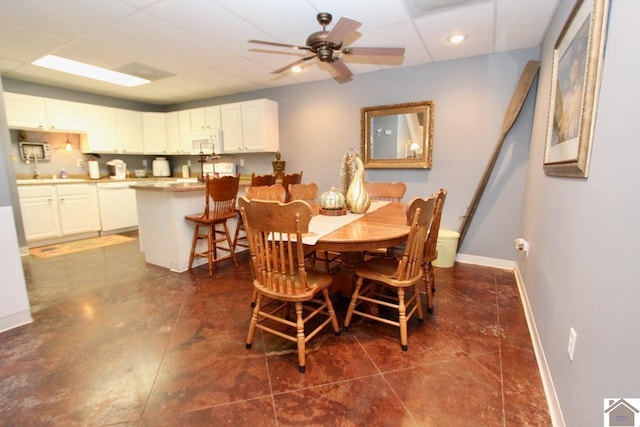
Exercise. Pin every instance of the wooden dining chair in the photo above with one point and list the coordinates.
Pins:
(288, 179)
(309, 193)
(260, 180)
(281, 278)
(386, 191)
(390, 191)
(220, 206)
(431, 251)
(262, 192)
(377, 278)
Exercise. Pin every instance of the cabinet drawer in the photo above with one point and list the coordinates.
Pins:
(35, 191)
(73, 189)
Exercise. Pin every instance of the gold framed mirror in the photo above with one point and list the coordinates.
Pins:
(397, 136)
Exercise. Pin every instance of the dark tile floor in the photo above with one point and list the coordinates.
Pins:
(115, 341)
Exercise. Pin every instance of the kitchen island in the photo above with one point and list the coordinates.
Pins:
(165, 235)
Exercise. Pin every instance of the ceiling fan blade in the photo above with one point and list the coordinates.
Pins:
(342, 29)
(291, 46)
(374, 51)
(343, 71)
(293, 64)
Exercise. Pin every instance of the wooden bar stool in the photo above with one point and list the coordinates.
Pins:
(220, 205)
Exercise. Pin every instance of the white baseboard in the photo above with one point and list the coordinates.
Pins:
(488, 262)
(14, 320)
(547, 382)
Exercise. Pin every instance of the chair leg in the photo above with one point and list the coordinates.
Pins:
(300, 337)
(254, 321)
(194, 243)
(429, 286)
(231, 246)
(331, 311)
(402, 309)
(211, 245)
(416, 293)
(352, 304)
(236, 234)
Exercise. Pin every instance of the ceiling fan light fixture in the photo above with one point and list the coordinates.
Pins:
(296, 68)
(456, 38)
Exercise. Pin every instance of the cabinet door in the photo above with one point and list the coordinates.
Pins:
(78, 208)
(39, 211)
(129, 131)
(101, 135)
(231, 118)
(153, 133)
(184, 125)
(253, 126)
(25, 111)
(212, 117)
(63, 115)
(172, 132)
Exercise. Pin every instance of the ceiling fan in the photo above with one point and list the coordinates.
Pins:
(327, 46)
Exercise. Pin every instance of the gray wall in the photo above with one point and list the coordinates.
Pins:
(582, 270)
(320, 121)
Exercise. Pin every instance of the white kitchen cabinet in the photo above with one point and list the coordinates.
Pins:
(33, 112)
(39, 207)
(250, 126)
(64, 115)
(154, 133)
(129, 139)
(53, 211)
(78, 208)
(205, 118)
(101, 133)
(172, 132)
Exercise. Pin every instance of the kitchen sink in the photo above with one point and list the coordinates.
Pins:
(48, 181)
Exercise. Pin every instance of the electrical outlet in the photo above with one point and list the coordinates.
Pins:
(79, 163)
(522, 245)
(144, 163)
(241, 162)
(571, 347)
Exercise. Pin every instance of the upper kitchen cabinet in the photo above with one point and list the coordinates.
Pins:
(250, 126)
(31, 112)
(101, 133)
(129, 134)
(205, 118)
(154, 133)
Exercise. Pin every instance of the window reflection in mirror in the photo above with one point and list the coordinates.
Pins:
(397, 136)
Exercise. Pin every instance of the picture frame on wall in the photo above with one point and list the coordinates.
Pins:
(575, 81)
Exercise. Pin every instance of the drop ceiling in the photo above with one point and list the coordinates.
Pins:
(196, 49)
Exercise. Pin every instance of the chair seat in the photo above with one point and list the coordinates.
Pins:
(384, 270)
(316, 281)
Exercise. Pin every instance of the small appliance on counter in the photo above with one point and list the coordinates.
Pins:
(117, 169)
(160, 167)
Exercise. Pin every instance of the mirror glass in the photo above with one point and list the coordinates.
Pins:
(397, 136)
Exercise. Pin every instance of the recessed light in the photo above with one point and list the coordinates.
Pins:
(296, 68)
(456, 38)
(91, 71)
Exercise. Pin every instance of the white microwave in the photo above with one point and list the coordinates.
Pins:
(35, 151)
(206, 141)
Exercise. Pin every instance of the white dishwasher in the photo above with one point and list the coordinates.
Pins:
(118, 210)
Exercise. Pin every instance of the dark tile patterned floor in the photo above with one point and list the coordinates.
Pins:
(115, 341)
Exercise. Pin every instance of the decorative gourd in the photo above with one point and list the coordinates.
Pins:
(358, 200)
(332, 199)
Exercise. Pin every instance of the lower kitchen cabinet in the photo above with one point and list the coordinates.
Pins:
(54, 211)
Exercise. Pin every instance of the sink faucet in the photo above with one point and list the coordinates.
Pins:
(36, 172)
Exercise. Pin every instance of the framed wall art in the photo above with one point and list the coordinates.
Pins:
(575, 81)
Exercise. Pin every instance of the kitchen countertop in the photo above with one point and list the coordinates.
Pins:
(175, 186)
(147, 182)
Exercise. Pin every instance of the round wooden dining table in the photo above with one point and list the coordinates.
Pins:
(383, 228)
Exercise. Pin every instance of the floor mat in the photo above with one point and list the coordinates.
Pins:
(78, 246)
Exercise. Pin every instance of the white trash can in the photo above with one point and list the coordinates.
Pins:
(447, 247)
